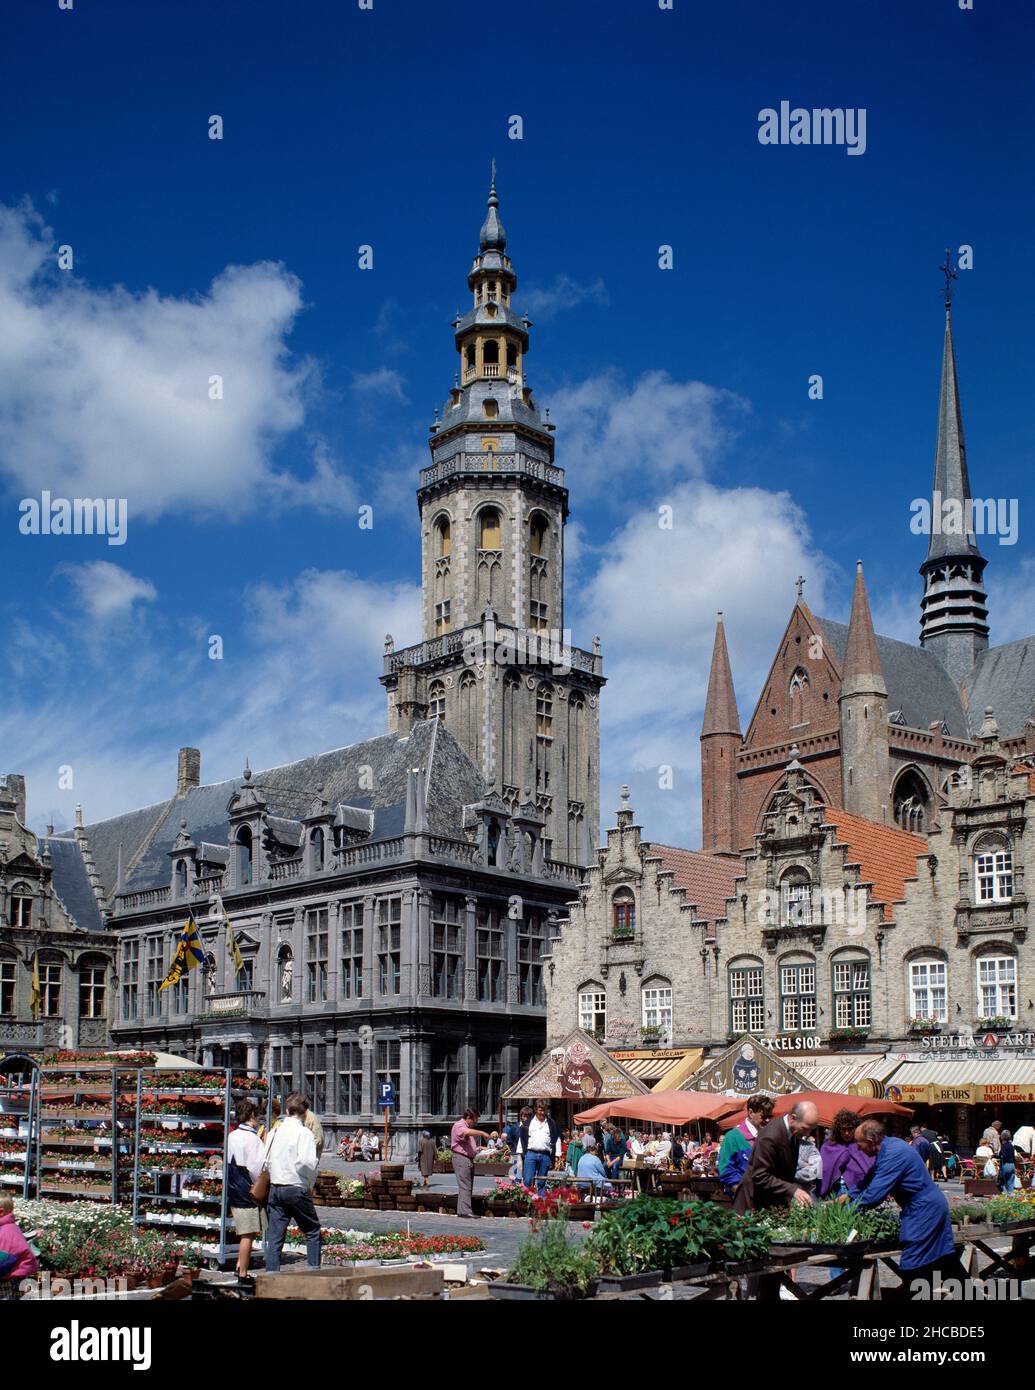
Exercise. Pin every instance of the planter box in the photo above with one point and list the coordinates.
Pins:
(405, 1204)
(353, 1201)
(517, 1292)
(442, 1166)
(697, 1271)
(980, 1187)
(623, 1283)
(392, 1172)
(489, 1170)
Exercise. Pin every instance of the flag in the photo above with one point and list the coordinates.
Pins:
(231, 940)
(37, 992)
(189, 953)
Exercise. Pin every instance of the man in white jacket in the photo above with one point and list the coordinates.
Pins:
(292, 1162)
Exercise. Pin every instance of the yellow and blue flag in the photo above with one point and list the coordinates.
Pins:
(37, 991)
(231, 940)
(189, 953)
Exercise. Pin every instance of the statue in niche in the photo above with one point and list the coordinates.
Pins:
(287, 972)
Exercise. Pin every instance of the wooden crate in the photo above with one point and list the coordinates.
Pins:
(333, 1283)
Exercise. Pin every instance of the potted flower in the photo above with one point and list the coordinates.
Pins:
(923, 1024)
(353, 1191)
(849, 1035)
(551, 1264)
(652, 1034)
(998, 1024)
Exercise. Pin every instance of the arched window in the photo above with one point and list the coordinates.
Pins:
(911, 800)
(993, 871)
(537, 529)
(795, 898)
(244, 856)
(316, 841)
(181, 878)
(576, 747)
(850, 982)
(489, 529)
(928, 990)
(436, 700)
(623, 911)
(21, 905)
(997, 986)
(443, 536)
(468, 709)
(493, 842)
(656, 1010)
(511, 731)
(593, 1009)
(799, 692)
(747, 997)
(798, 996)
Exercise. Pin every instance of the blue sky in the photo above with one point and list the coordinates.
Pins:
(345, 127)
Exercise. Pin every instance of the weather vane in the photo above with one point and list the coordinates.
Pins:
(949, 271)
(492, 181)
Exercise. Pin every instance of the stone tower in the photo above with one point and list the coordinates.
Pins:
(863, 707)
(720, 744)
(954, 607)
(496, 662)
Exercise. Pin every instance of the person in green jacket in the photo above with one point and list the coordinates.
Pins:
(737, 1143)
(576, 1148)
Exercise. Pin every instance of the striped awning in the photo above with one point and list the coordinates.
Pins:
(983, 1071)
(839, 1073)
(662, 1071)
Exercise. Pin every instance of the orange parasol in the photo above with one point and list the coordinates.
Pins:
(828, 1103)
(664, 1108)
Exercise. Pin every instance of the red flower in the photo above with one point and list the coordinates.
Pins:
(673, 1221)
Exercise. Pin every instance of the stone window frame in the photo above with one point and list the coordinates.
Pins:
(595, 991)
(129, 970)
(447, 921)
(244, 856)
(793, 877)
(859, 1013)
(807, 1000)
(314, 1072)
(798, 689)
(483, 529)
(999, 875)
(181, 879)
(8, 984)
(623, 913)
(92, 965)
(51, 966)
(658, 985)
(491, 955)
(997, 955)
(352, 927)
(21, 893)
(317, 952)
(927, 956)
(387, 925)
(154, 973)
(745, 966)
(437, 700)
(442, 533)
(352, 1057)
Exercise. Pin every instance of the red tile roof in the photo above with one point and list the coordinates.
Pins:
(708, 880)
(886, 855)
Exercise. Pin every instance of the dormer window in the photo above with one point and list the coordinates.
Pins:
(316, 844)
(623, 911)
(795, 899)
(181, 877)
(244, 856)
(21, 906)
(993, 875)
(493, 842)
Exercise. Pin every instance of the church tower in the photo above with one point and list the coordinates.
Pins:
(720, 744)
(954, 607)
(863, 708)
(496, 663)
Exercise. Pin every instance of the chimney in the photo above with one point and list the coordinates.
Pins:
(13, 784)
(188, 770)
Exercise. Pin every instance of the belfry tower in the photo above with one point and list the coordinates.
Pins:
(495, 663)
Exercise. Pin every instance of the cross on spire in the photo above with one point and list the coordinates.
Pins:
(950, 273)
(799, 584)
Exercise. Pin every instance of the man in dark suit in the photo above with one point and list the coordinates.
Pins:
(769, 1180)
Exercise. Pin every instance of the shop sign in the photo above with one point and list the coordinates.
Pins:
(1007, 1095)
(794, 1042)
(947, 1046)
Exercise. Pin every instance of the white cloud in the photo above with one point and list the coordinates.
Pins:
(105, 392)
(660, 430)
(384, 381)
(108, 591)
(654, 600)
(544, 303)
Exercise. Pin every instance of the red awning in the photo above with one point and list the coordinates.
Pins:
(664, 1108)
(828, 1103)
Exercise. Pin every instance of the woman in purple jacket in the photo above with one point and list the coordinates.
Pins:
(844, 1163)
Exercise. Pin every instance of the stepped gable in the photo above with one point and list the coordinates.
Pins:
(706, 879)
(886, 855)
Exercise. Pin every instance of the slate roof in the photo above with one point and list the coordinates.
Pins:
(71, 883)
(147, 836)
(886, 855)
(707, 879)
(1004, 677)
(918, 684)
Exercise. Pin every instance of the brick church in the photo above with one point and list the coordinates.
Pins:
(878, 726)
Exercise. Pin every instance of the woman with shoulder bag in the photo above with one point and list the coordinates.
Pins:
(247, 1182)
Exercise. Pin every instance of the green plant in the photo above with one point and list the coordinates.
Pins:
(831, 1223)
(998, 1021)
(661, 1233)
(552, 1261)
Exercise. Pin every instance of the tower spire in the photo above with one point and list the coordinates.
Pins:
(720, 706)
(862, 668)
(954, 608)
(862, 708)
(720, 741)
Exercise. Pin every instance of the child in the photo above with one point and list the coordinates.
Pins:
(17, 1261)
